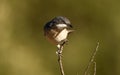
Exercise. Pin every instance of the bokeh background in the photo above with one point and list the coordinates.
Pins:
(25, 51)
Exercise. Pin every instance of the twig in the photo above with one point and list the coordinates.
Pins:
(59, 53)
(94, 68)
(91, 60)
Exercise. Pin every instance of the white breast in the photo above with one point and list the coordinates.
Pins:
(62, 35)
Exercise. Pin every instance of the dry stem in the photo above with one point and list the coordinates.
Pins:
(91, 61)
(59, 53)
(94, 68)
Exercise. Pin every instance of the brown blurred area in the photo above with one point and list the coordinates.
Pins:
(25, 51)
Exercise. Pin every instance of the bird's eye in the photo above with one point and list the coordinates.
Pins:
(70, 25)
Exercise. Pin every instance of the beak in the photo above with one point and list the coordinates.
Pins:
(70, 31)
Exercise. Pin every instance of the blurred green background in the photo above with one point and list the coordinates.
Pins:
(25, 51)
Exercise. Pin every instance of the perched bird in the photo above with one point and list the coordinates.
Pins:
(57, 30)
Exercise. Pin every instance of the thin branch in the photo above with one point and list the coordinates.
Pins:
(94, 68)
(59, 53)
(91, 60)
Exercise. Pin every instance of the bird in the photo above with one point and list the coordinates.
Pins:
(57, 30)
